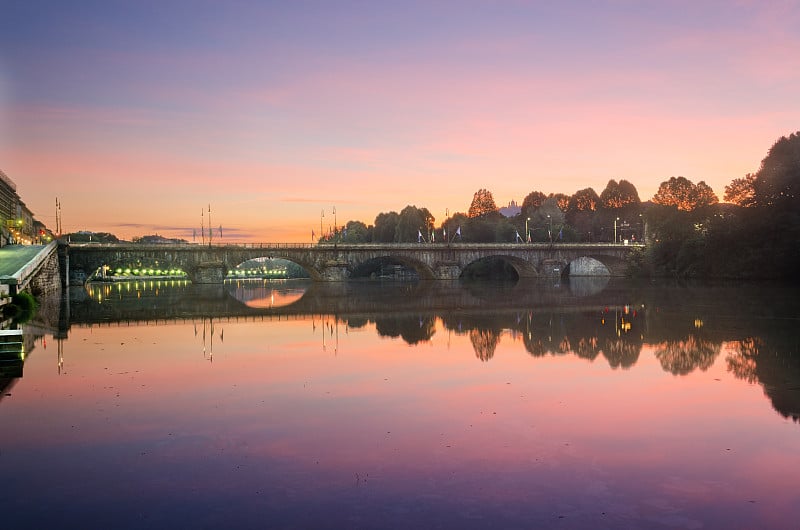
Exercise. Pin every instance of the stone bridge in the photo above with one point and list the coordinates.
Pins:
(329, 262)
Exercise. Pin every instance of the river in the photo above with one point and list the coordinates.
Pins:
(555, 404)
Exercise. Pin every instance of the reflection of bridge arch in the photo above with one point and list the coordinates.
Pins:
(267, 294)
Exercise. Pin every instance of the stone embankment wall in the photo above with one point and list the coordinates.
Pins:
(48, 279)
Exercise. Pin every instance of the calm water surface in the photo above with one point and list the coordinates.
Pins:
(429, 405)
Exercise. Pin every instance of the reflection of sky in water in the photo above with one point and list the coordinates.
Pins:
(309, 422)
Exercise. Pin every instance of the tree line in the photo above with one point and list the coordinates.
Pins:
(689, 233)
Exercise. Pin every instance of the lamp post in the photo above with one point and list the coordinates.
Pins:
(550, 228)
(643, 231)
(321, 215)
(335, 226)
(615, 230)
(527, 234)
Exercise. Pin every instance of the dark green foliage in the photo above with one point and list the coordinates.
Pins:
(357, 232)
(22, 308)
(505, 232)
(777, 183)
(385, 227)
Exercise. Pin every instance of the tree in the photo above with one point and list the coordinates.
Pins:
(704, 195)
(777, 182)
(531, 202)
(562, 200)
(547, 221)
(617, 196)
(741, 191)
(412, 221)
(684, 195)
(355, 232)
(482, 204)
(585, 200)
(385, 227)
(453, 223)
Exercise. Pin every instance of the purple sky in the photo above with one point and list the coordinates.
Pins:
(137, 115)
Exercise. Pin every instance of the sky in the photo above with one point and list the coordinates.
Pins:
(140, 115)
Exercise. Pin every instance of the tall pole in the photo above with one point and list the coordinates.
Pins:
(321, 215)
(527, 233)
(615, 230)
(202, 227)
(210, 230)
(335, 226)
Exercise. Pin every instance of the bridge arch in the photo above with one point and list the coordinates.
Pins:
(587, 266)
(595, 265)
(266, 265)
(522, 267)
(367, 267)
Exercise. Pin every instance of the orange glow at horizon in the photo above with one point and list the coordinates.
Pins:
(135, 129)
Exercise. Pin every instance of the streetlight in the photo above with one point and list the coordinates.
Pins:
(615, 230)
(643, 232)
(527, 234)
(550, 229)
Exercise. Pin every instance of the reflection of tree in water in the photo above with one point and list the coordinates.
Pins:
(742, 359)
(586, 347)
(681, 357)
(412, 329)
(775, 364)
(586, 335)
(621, 352)
(484, 341)
(356, 322)
(534, 345)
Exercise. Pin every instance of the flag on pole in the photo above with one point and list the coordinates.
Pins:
(419, 236)
(458, 231)
(313, 235)
(561, 233)
(433, 236)
(519, 237)
(444, 232)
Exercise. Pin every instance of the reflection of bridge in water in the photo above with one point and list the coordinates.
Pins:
(153, 300)
(686, 327)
